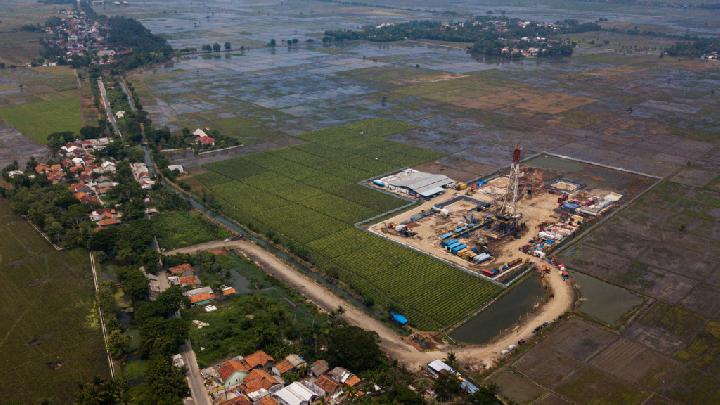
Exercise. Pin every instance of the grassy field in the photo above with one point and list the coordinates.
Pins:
(39, 119)
(50, 339)
(308, 195)
(43, 100)
(180, 229)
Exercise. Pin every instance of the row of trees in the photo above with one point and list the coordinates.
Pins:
(216, 47)
(694, 48)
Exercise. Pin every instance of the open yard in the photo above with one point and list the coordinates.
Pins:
(50, 331)
(308, 196)
(177, 229)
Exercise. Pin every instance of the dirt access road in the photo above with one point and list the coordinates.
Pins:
(390, 341)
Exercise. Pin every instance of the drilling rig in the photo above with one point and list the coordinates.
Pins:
(509, 205)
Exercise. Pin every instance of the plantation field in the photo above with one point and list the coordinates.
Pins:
(177, 229)
(50, 337)
(308, 196)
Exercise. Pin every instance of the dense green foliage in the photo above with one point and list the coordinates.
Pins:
(695, 48)
(489, 34)
(146, 47)
(354, 348)
(307, 197)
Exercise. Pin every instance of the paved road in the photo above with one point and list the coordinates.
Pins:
(195, 381)
(108, 108)
(390, 341)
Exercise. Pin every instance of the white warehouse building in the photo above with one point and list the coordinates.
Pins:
(417, 183)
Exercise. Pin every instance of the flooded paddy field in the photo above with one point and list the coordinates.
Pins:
(578, 360)
(636, 112)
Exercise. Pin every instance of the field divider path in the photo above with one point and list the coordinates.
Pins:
(102, 318)
(107, 107)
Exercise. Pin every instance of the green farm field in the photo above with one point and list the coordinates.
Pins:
(176, 229)
(43, 100)
(39, 119)
(50, 340)
(308, 196)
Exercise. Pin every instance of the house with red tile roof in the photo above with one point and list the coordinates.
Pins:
(282, 367)
(258, 379)
(268, 400)
(181, 269)
(238, 400)
(259, 359)
(201, 298)
(190, 281)
(327, 384)
(228, 291)
(232, 372)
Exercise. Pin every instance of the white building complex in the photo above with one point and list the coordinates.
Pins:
(417, 183)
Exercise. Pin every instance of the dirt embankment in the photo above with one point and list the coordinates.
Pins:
(390, 341)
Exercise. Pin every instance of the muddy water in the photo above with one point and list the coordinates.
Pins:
(503, 314)
(605, 302)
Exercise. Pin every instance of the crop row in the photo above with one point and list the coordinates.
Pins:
(309, 194)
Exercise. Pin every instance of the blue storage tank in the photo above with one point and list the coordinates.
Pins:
(452, 245)
(570, 206)
(448, 242)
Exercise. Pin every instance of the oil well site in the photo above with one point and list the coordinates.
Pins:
(503, 225)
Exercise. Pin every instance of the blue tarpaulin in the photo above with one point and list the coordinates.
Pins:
(400, 319)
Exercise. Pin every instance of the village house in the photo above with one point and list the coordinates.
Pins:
(184, 269)
(203, 138)
(232, 372)
(141, 174)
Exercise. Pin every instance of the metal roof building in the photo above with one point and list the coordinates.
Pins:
(415, 182)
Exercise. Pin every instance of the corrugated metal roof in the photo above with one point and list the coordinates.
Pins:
(425, 184)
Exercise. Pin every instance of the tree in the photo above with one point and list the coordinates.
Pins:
(485, 396)
(58, 139)
(100, 392)
(216, 47)
(164, 383)
(133, 283)
(354, 348)
(228, 46)
(447, 386)
(207, 48)
(451, 360)
(272, 43)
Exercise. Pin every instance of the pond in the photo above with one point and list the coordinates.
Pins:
(604, 302)
(502, 314)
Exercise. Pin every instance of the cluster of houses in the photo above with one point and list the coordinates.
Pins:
(184, 276)
(79, 35)
(89, 179)
(258, 379)
(76, 33)
(141, 174)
